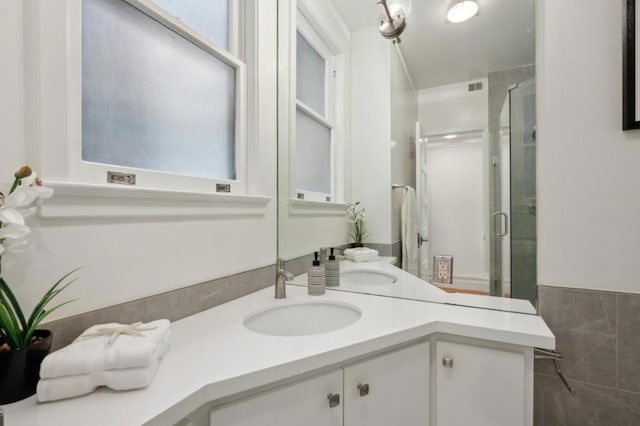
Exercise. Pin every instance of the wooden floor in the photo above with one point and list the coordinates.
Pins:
(462, 290)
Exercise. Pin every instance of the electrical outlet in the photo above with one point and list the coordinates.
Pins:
(442, 269)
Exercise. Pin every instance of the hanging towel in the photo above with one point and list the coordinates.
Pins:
(409, 231)
(88, 355)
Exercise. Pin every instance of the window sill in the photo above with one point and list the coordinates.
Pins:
(76, 200)
(317, 208)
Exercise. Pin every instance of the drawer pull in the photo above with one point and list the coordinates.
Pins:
(364, 389)
(447, 362)
(334, 399)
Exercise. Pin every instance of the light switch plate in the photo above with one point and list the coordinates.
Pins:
(442, 269)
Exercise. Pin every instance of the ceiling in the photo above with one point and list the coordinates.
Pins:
(438, 53)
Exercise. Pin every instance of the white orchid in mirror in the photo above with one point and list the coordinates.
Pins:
(18, 204)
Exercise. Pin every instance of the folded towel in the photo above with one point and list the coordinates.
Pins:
(83, 384)
(124, 379)
(361, 254)
(88, 355)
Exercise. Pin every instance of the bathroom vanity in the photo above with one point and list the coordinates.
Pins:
(401, 362)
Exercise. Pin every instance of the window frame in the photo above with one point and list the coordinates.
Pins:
(86, 171)
(323, 44)
(54, 31)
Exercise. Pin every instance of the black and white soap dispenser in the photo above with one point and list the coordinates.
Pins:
(332, 271)
(316, 277)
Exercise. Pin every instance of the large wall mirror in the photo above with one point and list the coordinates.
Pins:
(446, 108)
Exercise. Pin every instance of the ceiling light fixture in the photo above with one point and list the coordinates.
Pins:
(462, 11)
(450, 136)
(393, 20)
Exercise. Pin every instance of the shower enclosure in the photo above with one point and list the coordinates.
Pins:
(513, 194)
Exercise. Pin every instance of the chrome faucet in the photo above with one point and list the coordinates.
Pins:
(281, 277)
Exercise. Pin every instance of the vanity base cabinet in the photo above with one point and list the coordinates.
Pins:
(391, 389)
(305, 403)
(481, 386)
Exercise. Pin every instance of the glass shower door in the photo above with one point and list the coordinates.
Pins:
(513, 210)
(522, 194)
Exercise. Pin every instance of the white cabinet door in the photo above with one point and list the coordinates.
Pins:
(304, 403)
(398, 389)
(479, 386)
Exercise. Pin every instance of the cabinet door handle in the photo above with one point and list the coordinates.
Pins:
(364, 389)
(334, 399)
(447, 362)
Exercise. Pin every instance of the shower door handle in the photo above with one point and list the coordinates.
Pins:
(505, 228)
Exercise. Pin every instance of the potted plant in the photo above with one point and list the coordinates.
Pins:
(357, 217)
(22, 345)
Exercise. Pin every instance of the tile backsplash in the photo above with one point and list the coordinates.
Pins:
(172, 305)
(598, 333)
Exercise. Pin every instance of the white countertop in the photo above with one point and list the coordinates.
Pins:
(411, 287)
(213, 355)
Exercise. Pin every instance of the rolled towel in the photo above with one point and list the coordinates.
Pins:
(57, 388)
(87, 355)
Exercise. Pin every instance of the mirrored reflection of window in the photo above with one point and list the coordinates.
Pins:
(310, 82)
(314, 130)
(153, 100)
(313, 155)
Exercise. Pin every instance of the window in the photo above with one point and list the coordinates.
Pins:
(315, 136)
(162, 93)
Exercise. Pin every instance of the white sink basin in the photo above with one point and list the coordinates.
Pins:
(366, 277)
(303, 319)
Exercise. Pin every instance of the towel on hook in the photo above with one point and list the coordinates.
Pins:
(409, 235)
(87, 355)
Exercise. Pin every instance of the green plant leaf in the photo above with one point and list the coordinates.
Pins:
(48, 296)
(41, 316)
(11, 332)
(4, 287)
(5, 304)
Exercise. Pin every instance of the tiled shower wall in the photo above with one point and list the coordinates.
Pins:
(598, 333)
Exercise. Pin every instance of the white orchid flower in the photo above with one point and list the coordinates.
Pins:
(15, 207)
(14, 237)
(29, 191)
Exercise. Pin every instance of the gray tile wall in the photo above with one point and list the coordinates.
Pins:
(172, 305)
(598, 333)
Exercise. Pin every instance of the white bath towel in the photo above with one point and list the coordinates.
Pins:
(88, 355)
(57, 388)
(83, 384)
(409, 216)
(361, 254)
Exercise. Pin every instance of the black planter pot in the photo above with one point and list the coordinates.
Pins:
(20, 369)
(356, 245)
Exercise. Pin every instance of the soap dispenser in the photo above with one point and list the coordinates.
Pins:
(332, 271)
(316, 277)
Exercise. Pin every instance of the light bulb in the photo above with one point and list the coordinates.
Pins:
(462, 11)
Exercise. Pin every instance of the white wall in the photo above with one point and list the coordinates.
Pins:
(371, 130)
(404, 114)
(455, 196)
(124, 259)
(588, 168)
(452, 108)
(457, 177)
